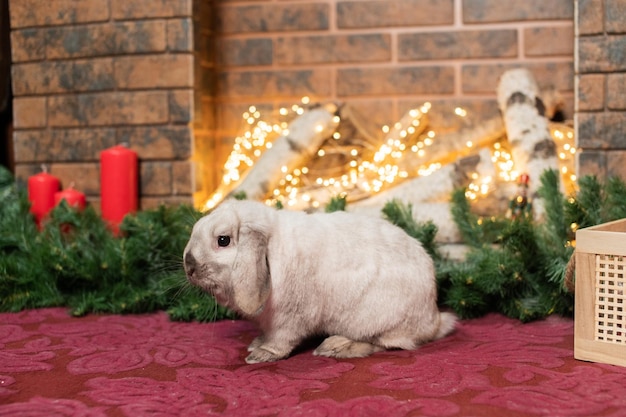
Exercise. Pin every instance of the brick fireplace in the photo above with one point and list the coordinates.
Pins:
(172, 78)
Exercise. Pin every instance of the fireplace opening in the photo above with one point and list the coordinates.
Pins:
(307, 154)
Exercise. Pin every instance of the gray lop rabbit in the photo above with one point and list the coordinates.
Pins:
(360, 280)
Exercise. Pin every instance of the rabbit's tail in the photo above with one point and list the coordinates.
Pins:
(447, 322)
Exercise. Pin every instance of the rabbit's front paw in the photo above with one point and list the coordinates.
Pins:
(261, 354)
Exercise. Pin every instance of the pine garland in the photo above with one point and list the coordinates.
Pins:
(75, 261)
(514, 266)
(517, 266)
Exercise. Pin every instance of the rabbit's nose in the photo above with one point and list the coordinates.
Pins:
(190, 264)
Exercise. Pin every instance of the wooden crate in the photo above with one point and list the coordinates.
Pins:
(600, 300)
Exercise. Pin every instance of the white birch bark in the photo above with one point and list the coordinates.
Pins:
(532, 148)
(305, 136)
(430, 195)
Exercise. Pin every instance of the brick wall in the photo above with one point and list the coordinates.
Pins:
(90, 74)
(601, 87)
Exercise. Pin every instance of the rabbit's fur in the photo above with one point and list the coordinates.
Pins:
(360, 280)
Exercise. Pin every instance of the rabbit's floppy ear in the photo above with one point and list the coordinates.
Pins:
(251, 277)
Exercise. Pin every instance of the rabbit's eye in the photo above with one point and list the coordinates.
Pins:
(223, 241)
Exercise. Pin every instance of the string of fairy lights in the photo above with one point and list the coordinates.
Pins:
(360, 168)
(364, 169)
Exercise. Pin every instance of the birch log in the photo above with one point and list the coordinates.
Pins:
(450, 150)
(450, 147)
(305, 136)
(430, 195)
(532, 147)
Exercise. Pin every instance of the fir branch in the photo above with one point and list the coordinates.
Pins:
(463, 296)
(615, 199)
(585, 209)
(24, 279)
(554, 203)
(555, 233)
(497, 272)
(475, 231)
(240, 195)
(401, 215)
(6, 178)
(511, 276)
(337, 203)
(464, 219)
(196, 305)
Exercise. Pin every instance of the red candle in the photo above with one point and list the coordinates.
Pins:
(73, 198)
(41, 189)
(118, 184)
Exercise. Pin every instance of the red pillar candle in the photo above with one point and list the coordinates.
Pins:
(118, 184)
(41, 189)
(73, 197)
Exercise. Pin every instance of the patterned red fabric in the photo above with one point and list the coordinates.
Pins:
(146, 365)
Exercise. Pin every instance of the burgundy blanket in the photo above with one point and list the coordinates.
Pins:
(146, 365)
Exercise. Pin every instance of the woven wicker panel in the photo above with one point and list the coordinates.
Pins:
(610, 299)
